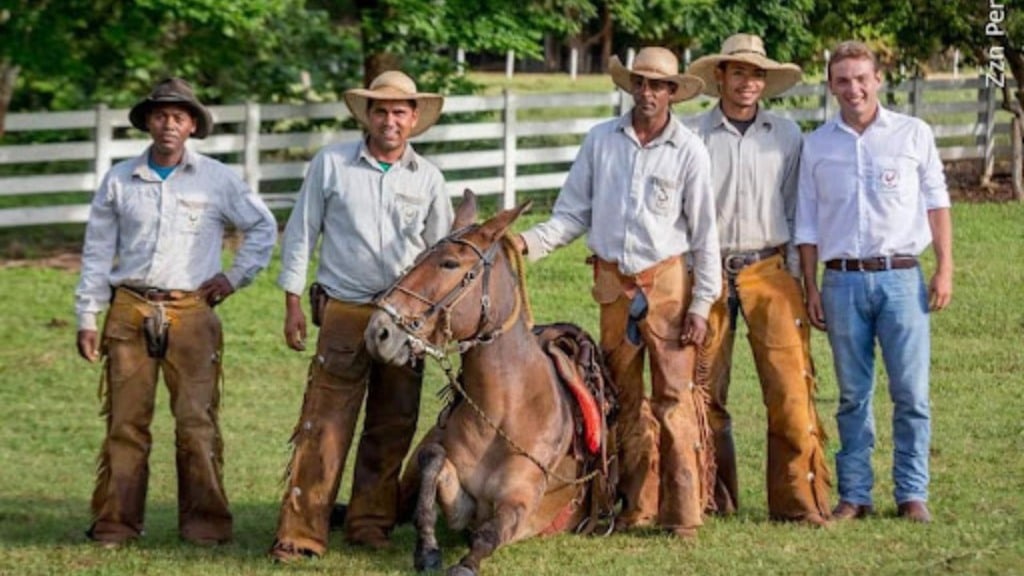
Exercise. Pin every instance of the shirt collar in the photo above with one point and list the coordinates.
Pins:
(408, 160)
(882, 119)
(717, 119)
(189, 162)
(670, 135)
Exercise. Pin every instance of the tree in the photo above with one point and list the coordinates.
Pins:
(910, 31)
(75, 53)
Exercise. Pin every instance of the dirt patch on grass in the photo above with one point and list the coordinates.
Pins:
(963, 178)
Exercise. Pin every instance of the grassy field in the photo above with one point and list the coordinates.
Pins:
(51, 432)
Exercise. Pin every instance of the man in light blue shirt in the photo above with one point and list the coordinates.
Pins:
(374, 205)
(872, 196)
(154, 241)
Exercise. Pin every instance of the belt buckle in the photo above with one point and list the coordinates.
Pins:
(728, 263)
(154, 294)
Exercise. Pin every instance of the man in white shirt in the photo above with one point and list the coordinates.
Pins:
(153, 241)
(872, 196)
(373, 204)
(755, 156)
(641, 189)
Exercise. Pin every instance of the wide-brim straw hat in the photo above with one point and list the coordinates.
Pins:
(172, 91)
(394, 85)
(747, 49)
(657, 64)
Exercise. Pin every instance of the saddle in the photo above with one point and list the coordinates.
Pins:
(581, 369)
(580, 366)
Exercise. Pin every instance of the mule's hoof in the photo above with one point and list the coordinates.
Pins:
(460, 570)
(427, 560)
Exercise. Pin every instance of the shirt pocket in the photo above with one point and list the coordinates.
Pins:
(894, 177)
(664, 196)
(410, 210)
(194, 216)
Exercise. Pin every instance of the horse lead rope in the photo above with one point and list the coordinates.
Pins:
(453, 381)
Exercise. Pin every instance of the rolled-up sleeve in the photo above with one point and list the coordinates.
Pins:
(930, 171)
(93, 292)
(806, 228)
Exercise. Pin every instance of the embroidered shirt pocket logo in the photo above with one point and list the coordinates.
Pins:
(191, 215)
(893, 174)
(663, 195)
(409, 207)
(890, 178)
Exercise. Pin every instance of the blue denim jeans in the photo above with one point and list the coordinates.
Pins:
(892, 308)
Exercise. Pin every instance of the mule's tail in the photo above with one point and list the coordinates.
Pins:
(580, 365)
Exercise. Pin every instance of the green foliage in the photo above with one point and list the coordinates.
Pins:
(113, 51)
(51, 434)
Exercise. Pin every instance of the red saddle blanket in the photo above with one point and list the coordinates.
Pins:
(579, 365)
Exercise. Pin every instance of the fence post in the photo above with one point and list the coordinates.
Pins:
(987, 123)
(509, 148)
(916, 94)
(252, 145)
(104, 136)
(825, 101)
(460, 61)
(510, 63)
(824, 89)
(574, 62)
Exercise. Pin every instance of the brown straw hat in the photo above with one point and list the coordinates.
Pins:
(748, 49)
(658, 64)
(172, 91)
(394, 85)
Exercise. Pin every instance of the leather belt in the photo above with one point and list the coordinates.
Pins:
(736, 261)
(877, 264)
(157, 294)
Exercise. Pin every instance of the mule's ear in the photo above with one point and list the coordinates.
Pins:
(499, 224)
(465, 214)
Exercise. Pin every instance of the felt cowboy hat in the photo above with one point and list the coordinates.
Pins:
(394, 85)
(748, 49)
(172, 91)
(657, 64)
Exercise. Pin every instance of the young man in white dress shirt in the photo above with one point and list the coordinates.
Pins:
(872, 196)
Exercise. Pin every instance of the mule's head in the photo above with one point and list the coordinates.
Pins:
(449, 294)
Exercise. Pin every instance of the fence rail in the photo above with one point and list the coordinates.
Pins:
(504, 144)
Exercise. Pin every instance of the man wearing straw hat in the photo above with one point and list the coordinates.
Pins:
(641, 190)
(755, 158)
(374, 204)
(153, 255)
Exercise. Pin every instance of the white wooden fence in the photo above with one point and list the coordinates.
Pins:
(515, 144)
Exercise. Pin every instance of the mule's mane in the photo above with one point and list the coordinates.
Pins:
(515, 258)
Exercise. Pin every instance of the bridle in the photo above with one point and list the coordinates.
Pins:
(413, 325)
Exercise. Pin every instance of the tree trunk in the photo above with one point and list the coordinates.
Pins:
(374, 17)
(1017, 167)
(8, 75)
(1015, 59)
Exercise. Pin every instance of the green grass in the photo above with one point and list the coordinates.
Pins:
(51, 433)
